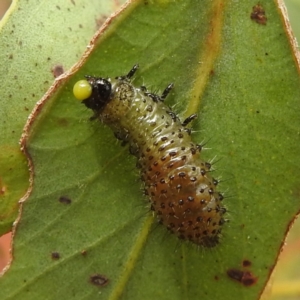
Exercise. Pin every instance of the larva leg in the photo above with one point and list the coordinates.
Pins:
(154, 97)
(189, 119)
(166, 92)
(132, 71)
(173, 115)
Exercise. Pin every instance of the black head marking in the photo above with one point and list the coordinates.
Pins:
(101, 91)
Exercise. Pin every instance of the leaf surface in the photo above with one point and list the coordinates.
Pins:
(38, 41)
(242, 79)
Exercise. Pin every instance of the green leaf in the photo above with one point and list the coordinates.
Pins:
(241, 77)
(38, 41)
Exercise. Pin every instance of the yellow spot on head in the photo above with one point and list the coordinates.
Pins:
(82, 90)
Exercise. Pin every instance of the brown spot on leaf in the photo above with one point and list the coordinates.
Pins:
(65, 200)
(55, 255)
(98, 280)
(246, 278)
(57, 70)
(62, 122)
(258, 14)
(246, 263)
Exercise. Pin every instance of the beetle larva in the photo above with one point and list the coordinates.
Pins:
(178, 182)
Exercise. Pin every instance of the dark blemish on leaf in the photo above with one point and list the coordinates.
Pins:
(246, 278)
(64, 200)
(258, 14)
(73, 2)
(58, 7)
(26, 108)
(48, 58)
(55, 255)
(11, 56)
(246, 263)
(62, 122)
(80, 26)
(57, 70)
(83, 252)
(217, 277)
(98, 280)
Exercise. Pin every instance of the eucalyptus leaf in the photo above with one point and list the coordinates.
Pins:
(39, 40)
(86, 231)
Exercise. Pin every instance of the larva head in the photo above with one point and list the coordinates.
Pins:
(94, 92)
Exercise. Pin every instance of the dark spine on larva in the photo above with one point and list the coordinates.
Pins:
(178, 182)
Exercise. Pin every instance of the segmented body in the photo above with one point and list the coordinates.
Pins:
(178, 182)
